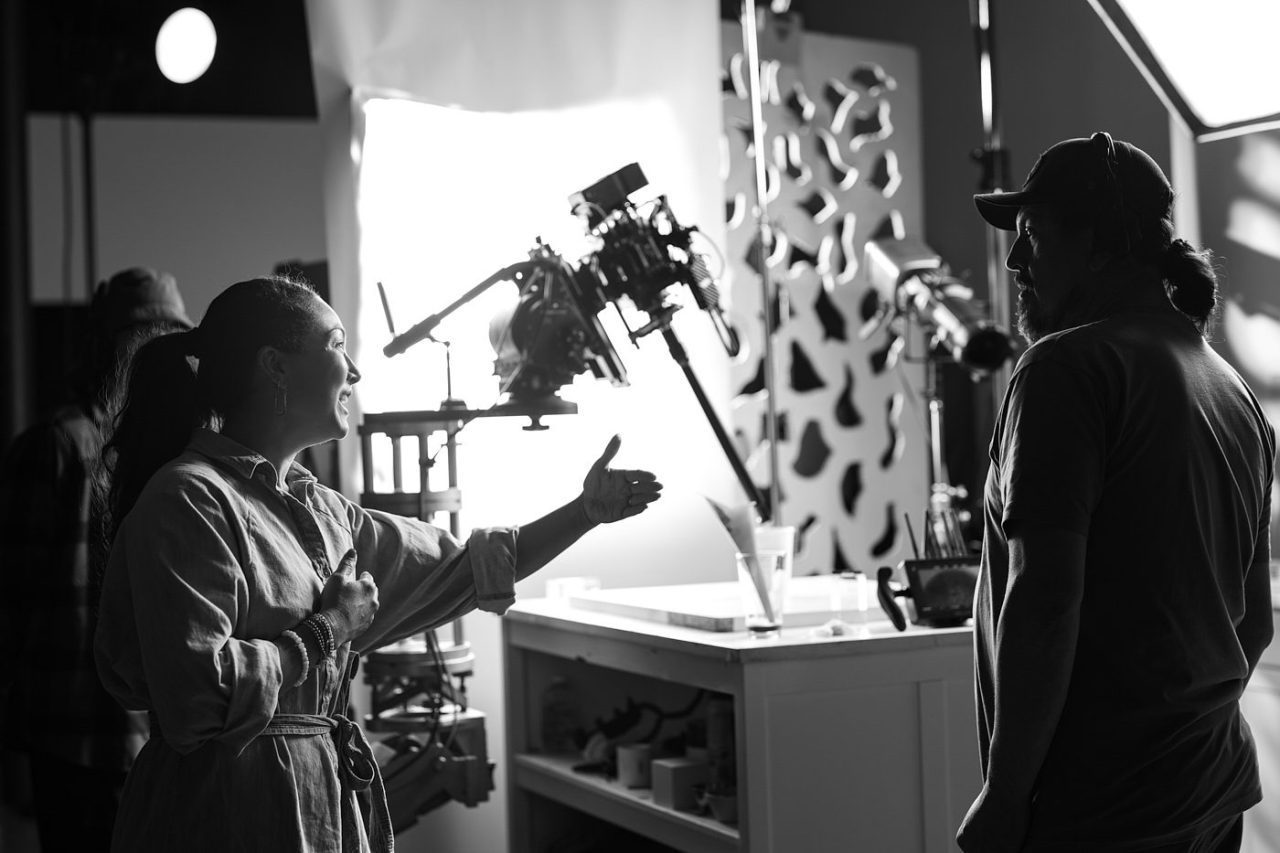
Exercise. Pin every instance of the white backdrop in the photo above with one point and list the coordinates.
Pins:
(454, 133)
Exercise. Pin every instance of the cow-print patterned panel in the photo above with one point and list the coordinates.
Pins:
(842, 148)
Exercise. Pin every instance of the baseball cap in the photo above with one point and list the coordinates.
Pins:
(1075, 172)
(137, 295)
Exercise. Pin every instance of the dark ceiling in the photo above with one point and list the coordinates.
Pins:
(98, 56)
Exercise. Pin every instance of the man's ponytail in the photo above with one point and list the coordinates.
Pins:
(1193, 284)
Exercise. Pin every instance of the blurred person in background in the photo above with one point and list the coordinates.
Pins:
(79, 741)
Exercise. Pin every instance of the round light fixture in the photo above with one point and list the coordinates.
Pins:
(185, 45)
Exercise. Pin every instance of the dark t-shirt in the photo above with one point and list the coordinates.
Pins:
(1135, 433)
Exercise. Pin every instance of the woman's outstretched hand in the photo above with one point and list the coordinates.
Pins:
(612, 494)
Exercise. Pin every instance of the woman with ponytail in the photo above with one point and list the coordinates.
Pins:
(239, 590)
(1124, 596)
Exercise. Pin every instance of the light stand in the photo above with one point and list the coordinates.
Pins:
(751, 48)
(913, 283)
(943, 522)
(418, 689)
(994, 161)
(939, 479)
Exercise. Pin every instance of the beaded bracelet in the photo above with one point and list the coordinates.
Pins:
(319, 628)
(330, 641)
(327, 623)
(292, 637)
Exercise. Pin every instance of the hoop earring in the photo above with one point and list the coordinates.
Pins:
(281, 399)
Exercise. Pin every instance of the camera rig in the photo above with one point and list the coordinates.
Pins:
(553, 332)
(641, 257)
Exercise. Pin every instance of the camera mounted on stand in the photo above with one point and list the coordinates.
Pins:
(550, 335)
(640, 257)
(553, 332)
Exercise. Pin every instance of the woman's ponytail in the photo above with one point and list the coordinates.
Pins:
(161, 408)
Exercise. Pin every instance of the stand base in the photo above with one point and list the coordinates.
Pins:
(420, 777)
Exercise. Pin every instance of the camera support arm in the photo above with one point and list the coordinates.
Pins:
(422, 330)
(726, 443)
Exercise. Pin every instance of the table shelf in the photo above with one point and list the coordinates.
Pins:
(553, 777)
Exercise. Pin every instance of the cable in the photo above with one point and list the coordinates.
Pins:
(661, 717)
(442, 675)
(718, 252)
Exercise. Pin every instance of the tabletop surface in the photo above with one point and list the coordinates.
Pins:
(857, 632)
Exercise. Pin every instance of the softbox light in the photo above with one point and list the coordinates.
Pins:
(1213, 63)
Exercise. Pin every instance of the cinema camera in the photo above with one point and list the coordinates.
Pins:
(641, 257)
(553, 333)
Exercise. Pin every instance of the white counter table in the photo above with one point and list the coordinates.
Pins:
(865, 742)
(854, 743)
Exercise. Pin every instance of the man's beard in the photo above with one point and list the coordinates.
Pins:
(1032, 322)
(1077, 307)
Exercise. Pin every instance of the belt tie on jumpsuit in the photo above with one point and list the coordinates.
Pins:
(357, 769)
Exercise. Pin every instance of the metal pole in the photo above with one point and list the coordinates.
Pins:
(751, 48)
(939, 480)
(90, 224)
(681, 358)
(995, 177)
(455, 520)
(14, 382)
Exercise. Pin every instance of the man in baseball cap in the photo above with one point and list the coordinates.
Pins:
(1115, 196)
(1124, 595)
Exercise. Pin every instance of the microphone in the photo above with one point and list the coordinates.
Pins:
(911, 277)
